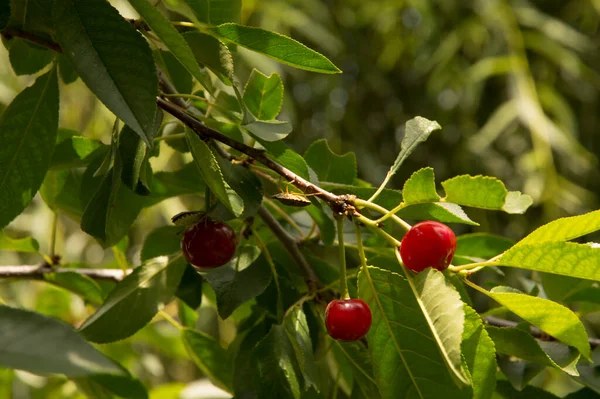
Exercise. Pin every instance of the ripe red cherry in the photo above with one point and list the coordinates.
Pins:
(347, 319)
(428, 244)
(208, 244)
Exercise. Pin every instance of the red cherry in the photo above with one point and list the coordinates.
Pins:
(208, 244)
(348, 319)
(428, 244)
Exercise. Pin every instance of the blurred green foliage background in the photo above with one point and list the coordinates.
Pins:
(514, 84)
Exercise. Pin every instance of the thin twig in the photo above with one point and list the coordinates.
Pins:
(536, 332)
(11, 32)
(339, 203)
(291, 245)
(37, 272)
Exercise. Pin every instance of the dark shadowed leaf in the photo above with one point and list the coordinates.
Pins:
(27, 138)
(210, 357)
(115, 62)
(329, 166)
(135, 300)
(26, 58)
(216, 12)
(24, 339)
(60, 191)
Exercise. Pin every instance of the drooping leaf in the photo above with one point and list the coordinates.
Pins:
(189, 289)
(25, 244)
(280, 48)
(517, 342)
(550, 317)
(183, 181)
(407, 359)
(362, 367)
(263, 95)
(24, 344)
(242, 278)
(564, 258)
(163, 28)
(115, 62)
(216, 12)
(485, 192)
(518, 372)
(275, 374)
(60, 191)
(26, 58)
(75, 151)
(210, 357)
(329, 166)
(245, 184)
(27, 138)
(480, 355)
(273, 130)
(174, 71)
(420, 187)
(212, 175)
(65, 70)
(564, 229)
(112, 208)
(78, 284)
(135, 300)
(296, 328)
(212, 54)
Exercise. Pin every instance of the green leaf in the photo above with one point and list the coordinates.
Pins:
(362, 367)
(565, 258)
(440, 211)
(27, 138)
(485, 192)
(241, 279)
(135, 300)
(60, 191)
(216, 12)
(245, 184)
(405, 342)
(550, 317)
(275, 374)
(279, 47)
(106, 386)
(174, 71)
(189, 289)
(212, 175)
(77, 283)
(26, 244)
(172, 40)
(112, 209)
(65, 70)
(589, 372)
(269, 130)
(329, 166)
(519, 342)
(76, 151)
(183, 181)
(420, 187)
(416, 131)
(26, 58)
(324, 222)
(481, 245)
(4, 15)
(210, 357)
(480, 355)
(40, 344)
(287, 157)
(505, 390)
(564, 229)
(263, 95)
(32, 16)
(212, 54)
(115, 62)
(165, 240)
(296, 328)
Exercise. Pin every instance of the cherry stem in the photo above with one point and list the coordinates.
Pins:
(384, 211)
(342, 259)
(374, 227)
(361, 249)
(170, 319)
(472, 266)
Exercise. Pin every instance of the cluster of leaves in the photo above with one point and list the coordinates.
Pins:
(426, 339)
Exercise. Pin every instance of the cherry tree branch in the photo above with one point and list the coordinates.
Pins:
(291, 245)
(10, 32)
(37, 272)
